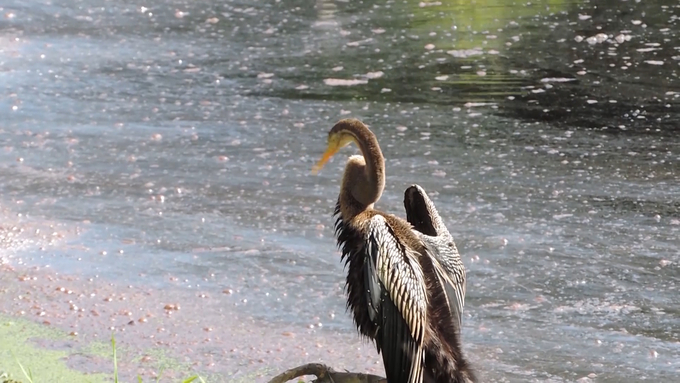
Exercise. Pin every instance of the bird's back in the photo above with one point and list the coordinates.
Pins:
(443, 359)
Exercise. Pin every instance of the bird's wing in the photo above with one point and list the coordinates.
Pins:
(429, 226)
(450, 273)
(398, 302)
(422, 214)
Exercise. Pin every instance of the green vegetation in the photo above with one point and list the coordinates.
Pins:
(139, 378)
(21, 361)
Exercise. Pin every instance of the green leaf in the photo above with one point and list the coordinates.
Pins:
(115, 361)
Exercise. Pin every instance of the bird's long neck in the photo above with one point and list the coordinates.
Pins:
(364, 178)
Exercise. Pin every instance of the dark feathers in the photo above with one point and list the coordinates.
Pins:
(400, 294)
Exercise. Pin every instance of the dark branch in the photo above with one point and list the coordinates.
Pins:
(325, 374)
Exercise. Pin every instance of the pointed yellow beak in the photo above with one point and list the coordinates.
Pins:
(330, 152)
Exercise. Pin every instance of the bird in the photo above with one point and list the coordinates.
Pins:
(405, 280)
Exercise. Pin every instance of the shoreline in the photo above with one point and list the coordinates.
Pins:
(179, 331)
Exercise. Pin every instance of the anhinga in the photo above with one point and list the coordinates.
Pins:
(405, 278)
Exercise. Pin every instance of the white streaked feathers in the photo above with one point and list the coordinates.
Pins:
(400, 272)
(442, 249)
(450, 272)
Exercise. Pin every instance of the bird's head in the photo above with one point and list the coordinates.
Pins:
(341, 135)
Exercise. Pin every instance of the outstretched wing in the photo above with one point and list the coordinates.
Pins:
(450, 273)
(397, 302)
(422, 214)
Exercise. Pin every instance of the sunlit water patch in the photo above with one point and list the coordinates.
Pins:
(177, 142)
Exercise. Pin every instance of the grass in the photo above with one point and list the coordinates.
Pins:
(139, 378)
(29, 377)
(22, 357)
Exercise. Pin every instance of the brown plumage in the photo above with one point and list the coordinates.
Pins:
(405, 280)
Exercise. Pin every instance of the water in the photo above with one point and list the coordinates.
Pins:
(178, 138)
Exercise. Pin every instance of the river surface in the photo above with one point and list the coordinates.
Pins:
(178, 138)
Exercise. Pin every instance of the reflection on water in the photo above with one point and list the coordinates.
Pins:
(179, 138)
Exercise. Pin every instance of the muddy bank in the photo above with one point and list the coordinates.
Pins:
(179, 331)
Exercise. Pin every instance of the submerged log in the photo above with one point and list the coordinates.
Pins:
(325, 374)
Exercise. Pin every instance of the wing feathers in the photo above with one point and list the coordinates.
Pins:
(373, 287)
(429, 227)
(403, 303)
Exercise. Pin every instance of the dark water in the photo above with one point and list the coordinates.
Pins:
(179, 136)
